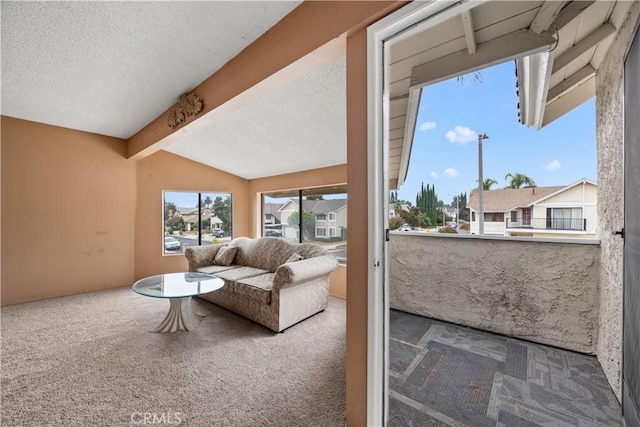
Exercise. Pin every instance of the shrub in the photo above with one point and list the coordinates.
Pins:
(447, 229)
(464, 226)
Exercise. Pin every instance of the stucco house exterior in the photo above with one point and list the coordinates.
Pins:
(557, 211)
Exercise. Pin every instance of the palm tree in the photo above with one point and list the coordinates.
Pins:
(207, 202)
(519, 180)
(487, 183)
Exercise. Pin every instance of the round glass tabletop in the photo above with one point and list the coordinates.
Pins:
(177, 285)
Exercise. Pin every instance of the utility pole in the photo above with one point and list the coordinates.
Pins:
(480, 184)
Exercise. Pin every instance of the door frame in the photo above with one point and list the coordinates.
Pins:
(379, 35)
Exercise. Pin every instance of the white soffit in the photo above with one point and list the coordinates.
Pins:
(585, 31)
(113, 67)
(301, 126)
(470, 32)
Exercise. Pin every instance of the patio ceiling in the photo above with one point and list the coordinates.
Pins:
(476, 34)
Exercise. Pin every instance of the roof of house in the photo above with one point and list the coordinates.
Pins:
(510, 198)
(320, 206)
(271, 209)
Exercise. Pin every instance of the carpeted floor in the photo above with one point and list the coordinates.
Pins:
(88, 360)
(447, 375)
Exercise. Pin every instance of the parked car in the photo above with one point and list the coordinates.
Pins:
(217, 232)
(271, 233)
(171, 243)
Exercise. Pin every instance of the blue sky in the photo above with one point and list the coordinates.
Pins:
(452, 114)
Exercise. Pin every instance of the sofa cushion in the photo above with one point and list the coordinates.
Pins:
(215, 269)
(225, 255)
(294, 257)
(240, 273)
(257, 288)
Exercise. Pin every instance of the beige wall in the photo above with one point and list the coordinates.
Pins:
(165, 171)
(68, 203)
(338, 282)
(513, 287)
(610, 146)
(357, 249)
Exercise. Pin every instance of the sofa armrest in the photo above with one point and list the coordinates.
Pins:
(294, 273)
(201, 256)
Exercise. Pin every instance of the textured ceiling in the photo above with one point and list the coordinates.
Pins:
(113, 67)
(302, 126)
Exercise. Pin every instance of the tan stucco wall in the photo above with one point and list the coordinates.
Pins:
(610, 146)
(68, 203)
(538, 291)
(164, 171)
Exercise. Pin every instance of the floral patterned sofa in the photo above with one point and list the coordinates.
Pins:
(268, 280)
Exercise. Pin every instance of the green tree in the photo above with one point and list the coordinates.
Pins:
(488, 183)
(308, 223)
(207, 202)
(519, 180)
(222, 209)
(176, 223)
(169, 206)
(318, 197)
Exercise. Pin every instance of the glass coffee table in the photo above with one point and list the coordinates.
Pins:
(179, 288)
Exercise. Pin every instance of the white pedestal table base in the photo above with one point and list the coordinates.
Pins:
(181, 316)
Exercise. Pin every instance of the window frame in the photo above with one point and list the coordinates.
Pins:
(199, 208)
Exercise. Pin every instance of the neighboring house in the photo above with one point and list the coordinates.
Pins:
(560, 211)
(190, 216)
(330, 217)
(270, 214)
(396, 208)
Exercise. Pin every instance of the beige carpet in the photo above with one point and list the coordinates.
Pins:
(88, 360)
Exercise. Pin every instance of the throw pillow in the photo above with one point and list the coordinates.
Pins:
(294, 257)
(225, 255)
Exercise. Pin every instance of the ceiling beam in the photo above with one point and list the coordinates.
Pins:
(501, 49)
(571, 100)
(571, 12)
(571, 83)
(583, 45)
(546, 16)
(469, 32)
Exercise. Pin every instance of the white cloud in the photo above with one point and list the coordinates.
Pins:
(552, 165)
(461, 135)
(427, 126)
(450, 172)
(433, 175)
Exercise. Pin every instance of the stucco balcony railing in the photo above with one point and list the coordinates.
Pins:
(574, 224)
(542, 290)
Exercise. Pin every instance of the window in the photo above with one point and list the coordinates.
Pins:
(473, 216)
(494, 217)
(195, 219)
(282, 218)
(565, 219)
(514, 216)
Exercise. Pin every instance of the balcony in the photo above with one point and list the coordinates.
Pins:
(564, 224)
(532, 306)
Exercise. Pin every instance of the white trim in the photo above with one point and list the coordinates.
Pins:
(378, 34)
(409, 129)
